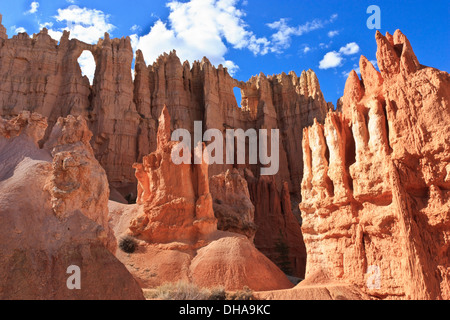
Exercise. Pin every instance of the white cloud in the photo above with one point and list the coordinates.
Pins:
(306, 49)
(333, 33)
(349, 49)
(45, 25)
(281, 40)
(85, 24)
(332, 59)
(335, 59)
(201, 28)
(33, 8)
(135, 28)
(17, 30)
(87, 65)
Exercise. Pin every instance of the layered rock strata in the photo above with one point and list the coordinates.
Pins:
(174, 229)
(54, 215)
(39, 74)
(376, 181)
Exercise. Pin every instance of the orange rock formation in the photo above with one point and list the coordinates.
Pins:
(376, 182)
(40, 75)
(54, 214)
(175, 230)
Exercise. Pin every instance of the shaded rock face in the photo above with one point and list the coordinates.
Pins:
(175, 231)
(39, 75)
(279, 234)
(376, 182)
(232, 205)
(53, 209)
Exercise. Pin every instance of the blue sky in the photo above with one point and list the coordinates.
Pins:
(248, 36)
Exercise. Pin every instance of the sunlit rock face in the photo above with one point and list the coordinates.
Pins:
(376, 182)
(54, 215)
(38, 74)
(175, 229)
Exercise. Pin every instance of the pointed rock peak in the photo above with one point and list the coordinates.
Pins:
(106, 37)
(388, 59)
(399, 37)
(66, 35)
(353, 88)
(205, 61)
(64, 39)
(390, 38)
(371, 77)
(164, 128)
(1, 18)
(186, 65)
(313, 76)
(409, 61)
(2, 30)
(353, 93)
(140, 57)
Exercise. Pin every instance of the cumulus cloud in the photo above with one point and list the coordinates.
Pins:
(335, 59)
(349, 49)
(33, 7)
(281, 40)
(332, 59)
(333, 33)
(16, 30)
(194, 28)
(201, 28)
(85, 24)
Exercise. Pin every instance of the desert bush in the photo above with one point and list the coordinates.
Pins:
(181, 290)
(218, 293)
(127, 245)
(245, 294)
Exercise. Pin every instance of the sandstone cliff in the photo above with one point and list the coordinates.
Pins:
(376, 180)
(53, 209)
(39, 74)
(174, 229)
